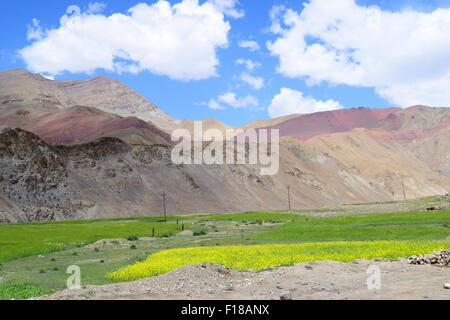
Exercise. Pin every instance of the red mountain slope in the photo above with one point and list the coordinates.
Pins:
(404, 125)
(310, 125)
(80, 124)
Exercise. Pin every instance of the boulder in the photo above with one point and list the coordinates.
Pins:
(187, 233)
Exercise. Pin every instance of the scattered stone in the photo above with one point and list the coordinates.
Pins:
(379, 260)
(437, 258)
(224, 270)
(109, 242)
(286, 295)
(446, 285)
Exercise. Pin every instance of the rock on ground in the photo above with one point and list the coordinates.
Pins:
(440, 258)
(309, 280)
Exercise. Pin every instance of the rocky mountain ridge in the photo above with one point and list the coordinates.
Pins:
(66, 152)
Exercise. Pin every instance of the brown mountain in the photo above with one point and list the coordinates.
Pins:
(103, 93)
(18, 86)
(81, 124)
(67, 112)
(400, 124)
(81, 160)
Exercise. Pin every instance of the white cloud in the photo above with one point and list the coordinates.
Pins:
(249, 44)
(255, 82)
(96, 7)
(403, 55)
(276, 14)
(178, 40)
(249, 64)
(48, 77)
(433, 93)
(232, 100)
(228, 7)
(34, 31)
(290, 101)
(213, 104)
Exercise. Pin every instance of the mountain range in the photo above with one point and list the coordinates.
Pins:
(96, 148)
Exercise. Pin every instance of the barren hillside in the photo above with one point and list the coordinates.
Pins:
(76, 155)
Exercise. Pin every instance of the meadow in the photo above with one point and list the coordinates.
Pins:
(257, 216)
(21, 240)
(257, 257)
(420, 225)
(34, 256)
(343, 238)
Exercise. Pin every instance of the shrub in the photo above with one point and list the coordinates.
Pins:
(200, 232)
(166, 234)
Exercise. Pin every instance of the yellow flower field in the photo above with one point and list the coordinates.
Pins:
(259, 256)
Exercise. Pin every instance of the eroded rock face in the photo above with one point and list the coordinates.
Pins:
(117, 156)
(38, 177)
(110, 178)
(33, 174)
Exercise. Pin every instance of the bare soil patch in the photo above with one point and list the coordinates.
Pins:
(310, 280)
(115, 242)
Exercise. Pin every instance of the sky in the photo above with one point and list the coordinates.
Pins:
(239, 61)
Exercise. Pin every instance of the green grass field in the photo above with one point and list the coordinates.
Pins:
(17, 290)
(391, 226)
(126, 219)
(21, 240)
(48, 236)
(34, 256)
(256, 215)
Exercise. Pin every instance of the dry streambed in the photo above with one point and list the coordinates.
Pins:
(309, 280)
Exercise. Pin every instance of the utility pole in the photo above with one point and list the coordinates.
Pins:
(404, 193)
(164, 199)
(289, 197)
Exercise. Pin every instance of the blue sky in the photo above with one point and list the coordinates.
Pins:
(287, 75)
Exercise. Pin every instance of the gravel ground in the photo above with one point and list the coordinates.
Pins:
(310, 280)
(119, 241)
